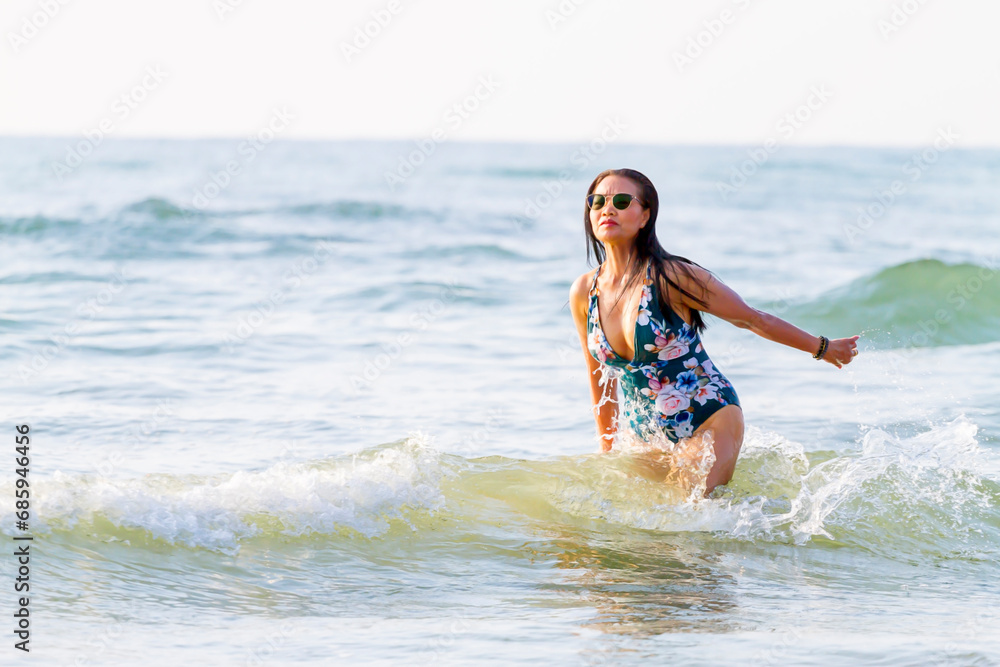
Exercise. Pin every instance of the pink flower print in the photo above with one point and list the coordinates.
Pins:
(671, 401)
(658, 343)
(691, 363)
(653, 389)
(672, 349)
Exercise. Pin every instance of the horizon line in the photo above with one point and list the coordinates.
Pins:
(566, 142)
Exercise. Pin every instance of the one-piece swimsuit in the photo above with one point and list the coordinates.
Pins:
(670, 386)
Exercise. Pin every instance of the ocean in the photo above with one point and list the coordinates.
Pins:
(324, 403)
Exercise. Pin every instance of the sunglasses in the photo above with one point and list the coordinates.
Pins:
(620, 201)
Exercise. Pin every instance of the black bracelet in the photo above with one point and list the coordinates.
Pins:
(823, 342)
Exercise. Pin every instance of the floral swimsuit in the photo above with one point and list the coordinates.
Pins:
(671, 386)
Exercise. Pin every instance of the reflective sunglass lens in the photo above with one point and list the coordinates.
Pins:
(621, 201)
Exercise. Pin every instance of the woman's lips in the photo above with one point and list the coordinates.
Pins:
(608, 222)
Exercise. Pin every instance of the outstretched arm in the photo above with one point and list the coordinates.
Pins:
(726, 304)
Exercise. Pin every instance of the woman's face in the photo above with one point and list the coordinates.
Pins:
(611, 225)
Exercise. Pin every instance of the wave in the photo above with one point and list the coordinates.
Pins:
(154, 212)
(158, 209)
(523, 173)
(922, 303)
(351, 210)
(484, 251)
(38, 225)
(889, 494)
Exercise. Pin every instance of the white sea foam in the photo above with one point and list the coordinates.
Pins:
(924, 491)
(890, 490)
(362, 492)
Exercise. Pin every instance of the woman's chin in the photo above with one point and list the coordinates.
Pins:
(612, 234)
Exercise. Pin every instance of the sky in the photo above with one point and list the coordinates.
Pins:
(852, 72)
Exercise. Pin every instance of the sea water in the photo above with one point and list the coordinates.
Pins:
(331, 408)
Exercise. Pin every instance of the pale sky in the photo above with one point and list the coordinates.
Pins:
(875, 72)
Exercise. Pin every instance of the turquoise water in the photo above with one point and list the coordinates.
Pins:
(313, 419)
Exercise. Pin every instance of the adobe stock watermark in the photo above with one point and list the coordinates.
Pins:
(884, 199)
(372, 425)
(364, 35)
(291, 449)
(32, 25)
(777, 652)
(786, 127)
(271, 646)
(582, 158)
(88, 309)
(441, 642)
(958, 297)
(474, 441)
(980, 621)
(699, 43)
(138, 436)
(123, 106)
(225, 7)
(246, 152)
(300, 270)
(419, 321)
(900, 15)
(562, 12)
(109, 635)
(454, 117)
(568, 351)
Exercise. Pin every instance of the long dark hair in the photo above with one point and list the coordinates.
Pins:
(648, 246)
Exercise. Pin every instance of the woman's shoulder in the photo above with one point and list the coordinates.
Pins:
(579, 291)
(688, 275)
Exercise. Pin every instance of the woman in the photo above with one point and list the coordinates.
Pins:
(647, 336)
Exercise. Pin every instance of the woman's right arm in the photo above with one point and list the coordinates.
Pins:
(604, 415)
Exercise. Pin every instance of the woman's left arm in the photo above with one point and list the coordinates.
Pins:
(723, 302)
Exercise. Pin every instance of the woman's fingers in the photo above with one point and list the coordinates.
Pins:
(842, 351)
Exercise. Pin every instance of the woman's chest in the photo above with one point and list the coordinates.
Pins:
(636, 321)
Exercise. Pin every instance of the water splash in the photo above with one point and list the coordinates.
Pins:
(890, 494)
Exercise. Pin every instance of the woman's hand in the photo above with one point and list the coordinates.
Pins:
(841, 351)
